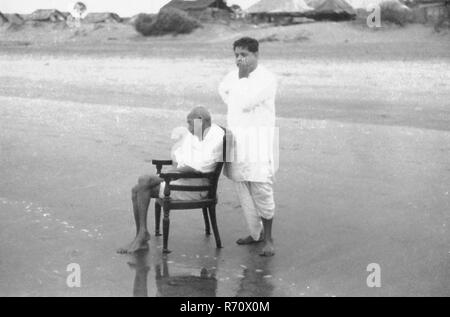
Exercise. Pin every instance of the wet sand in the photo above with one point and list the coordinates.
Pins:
(347, 195)
(364, 176)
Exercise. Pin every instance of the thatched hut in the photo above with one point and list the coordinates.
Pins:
(14, 18)
(435, 12)
(47, 15)
(334, 10)
(361, 4)
(203, 10)
(67, 15)
(279, 6)
(3, 19)
(102, 17)
(282, 11)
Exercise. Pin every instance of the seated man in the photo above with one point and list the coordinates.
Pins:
(198, 150)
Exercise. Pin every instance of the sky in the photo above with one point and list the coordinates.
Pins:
(121, 7)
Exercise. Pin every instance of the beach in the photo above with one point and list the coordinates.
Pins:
(364, 173)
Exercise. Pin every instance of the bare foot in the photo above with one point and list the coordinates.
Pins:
(268, 249)
(139, 243)
(248, 240)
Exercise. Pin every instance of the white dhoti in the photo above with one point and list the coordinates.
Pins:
(257, 202)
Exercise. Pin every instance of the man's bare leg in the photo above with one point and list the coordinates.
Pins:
(268, 249)
(140, 195)
(142, 236)
(135, 209)
(140, 216)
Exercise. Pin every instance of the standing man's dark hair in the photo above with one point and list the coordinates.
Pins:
(248, 43)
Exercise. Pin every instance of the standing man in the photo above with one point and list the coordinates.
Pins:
(249, 93)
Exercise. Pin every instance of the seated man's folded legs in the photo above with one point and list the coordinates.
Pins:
(148, 181)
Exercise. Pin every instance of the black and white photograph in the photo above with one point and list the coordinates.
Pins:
(246, 150)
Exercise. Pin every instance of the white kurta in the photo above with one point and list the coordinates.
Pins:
(251, 120)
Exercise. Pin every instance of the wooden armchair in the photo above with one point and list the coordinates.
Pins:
(208, 204)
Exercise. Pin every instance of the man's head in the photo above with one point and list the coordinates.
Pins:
(199, 119)
(246, 51)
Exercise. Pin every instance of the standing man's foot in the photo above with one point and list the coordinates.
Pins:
(268, 249)
(249, 240)
(139, 243)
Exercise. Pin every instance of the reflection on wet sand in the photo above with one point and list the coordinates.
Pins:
(141, 266)
(202, 285)
(255, 281)
(199, 283)
(173, 279)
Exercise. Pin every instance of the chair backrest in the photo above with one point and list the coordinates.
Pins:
(218, 170)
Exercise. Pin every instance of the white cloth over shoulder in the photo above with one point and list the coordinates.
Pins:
(201, 155)
(251, 120)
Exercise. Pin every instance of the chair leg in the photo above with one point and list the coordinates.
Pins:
(166, 224)
(212, 216)
(157, 219)
(206, 218)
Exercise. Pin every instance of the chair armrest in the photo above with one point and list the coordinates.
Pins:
(159, 164)
(176, 175)
(162, 162)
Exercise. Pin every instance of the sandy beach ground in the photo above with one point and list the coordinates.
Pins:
(364, 164)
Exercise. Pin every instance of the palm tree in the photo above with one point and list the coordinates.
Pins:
(79, 8)
(237, 11)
